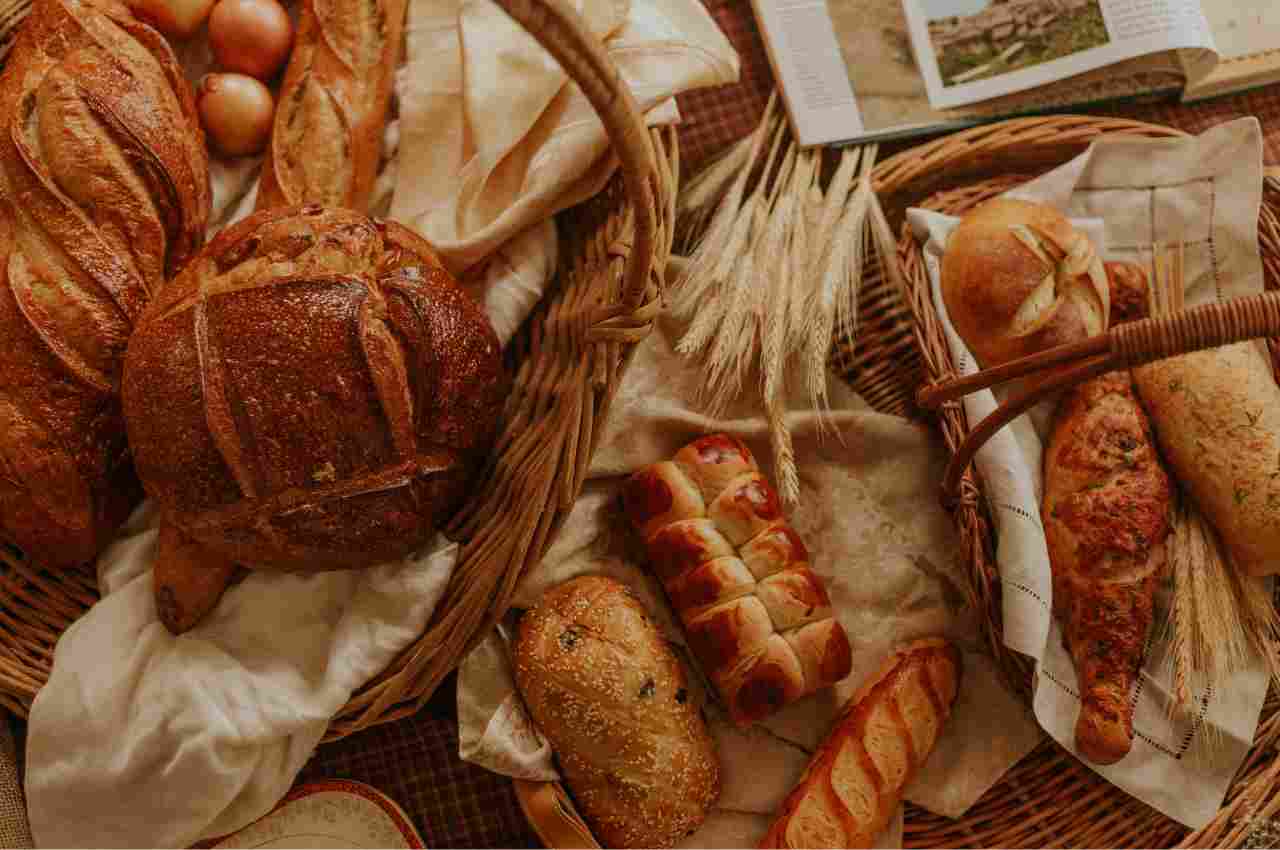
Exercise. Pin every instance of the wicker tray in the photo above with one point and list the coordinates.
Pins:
(1050, 798)
(567, 362)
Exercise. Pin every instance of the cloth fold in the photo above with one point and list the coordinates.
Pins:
(144, 739)
(1127, 194)
(885, 549)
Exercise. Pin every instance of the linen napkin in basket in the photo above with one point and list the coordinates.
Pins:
(869, 515)
(1206, 192)
(143, 739)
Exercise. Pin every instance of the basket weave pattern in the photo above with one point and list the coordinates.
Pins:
(1050, 798)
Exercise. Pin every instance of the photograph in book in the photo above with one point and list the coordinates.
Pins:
(979, 39)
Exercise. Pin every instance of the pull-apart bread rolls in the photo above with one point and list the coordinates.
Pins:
(610, 695)
(855, 780)
(312, 392)
(757, 618)
(104, 192)
(327, 137)
(1018, 278)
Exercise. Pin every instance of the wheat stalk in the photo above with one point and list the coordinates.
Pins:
(698, 278)
(709, 302)
(697, 201)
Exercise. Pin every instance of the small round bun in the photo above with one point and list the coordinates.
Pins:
(1018, 278)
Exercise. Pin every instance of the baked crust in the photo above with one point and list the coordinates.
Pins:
(104, 192)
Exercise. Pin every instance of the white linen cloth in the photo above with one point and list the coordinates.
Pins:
(1204, 191)
(495, 139)
(142, 739)
(880, 540)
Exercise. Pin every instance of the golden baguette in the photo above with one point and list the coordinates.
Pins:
(854, 782)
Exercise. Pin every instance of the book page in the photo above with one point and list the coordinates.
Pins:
(974, 50)
(1247, 35)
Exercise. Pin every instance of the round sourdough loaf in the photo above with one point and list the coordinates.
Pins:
(1018, 277)
(313, 391)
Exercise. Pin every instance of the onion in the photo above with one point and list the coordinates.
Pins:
(177, 19)
(236, 111)
(250, 36)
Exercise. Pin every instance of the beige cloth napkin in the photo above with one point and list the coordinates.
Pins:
(495, 139)
(1206, 192)
(886, 550)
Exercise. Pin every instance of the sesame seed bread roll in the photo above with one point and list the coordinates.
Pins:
(757, 618)
(885, 732)
(611, 697)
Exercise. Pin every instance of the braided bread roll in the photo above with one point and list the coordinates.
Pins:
(327, 138)
(885, 732)
(104, 193)
(757, 618)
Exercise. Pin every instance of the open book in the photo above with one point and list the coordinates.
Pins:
(858, 70)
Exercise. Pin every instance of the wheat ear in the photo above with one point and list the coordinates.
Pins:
(698, 277)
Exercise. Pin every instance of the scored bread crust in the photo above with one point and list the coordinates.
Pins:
(314, 391)
(756, 616)
(885, 732)
(1018, 277)
(326, 139)
(104, 193)
(606, 689)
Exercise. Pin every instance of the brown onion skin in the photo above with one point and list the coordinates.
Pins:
(251, 37)
(236, 112)
(176, 19)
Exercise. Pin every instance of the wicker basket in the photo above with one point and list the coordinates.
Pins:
(1050, 798)
(567, 363)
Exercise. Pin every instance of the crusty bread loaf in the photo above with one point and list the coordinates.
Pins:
(1217, 418)
(104, 192)
(326, 141)
(1018, 278)
(886, 731)
(756, 616)
(605, 688)
(1107, 502)
(314, 391)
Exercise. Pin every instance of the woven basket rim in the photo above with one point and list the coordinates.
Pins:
(1050, 774)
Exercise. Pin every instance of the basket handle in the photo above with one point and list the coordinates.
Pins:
(1122, 347)
(562, 32)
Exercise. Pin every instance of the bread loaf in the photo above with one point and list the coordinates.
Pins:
(854, 782)
(1018, 278)
(104, 191)
(313, 391)
(605, 688)
(1107, 503)
(331, 112)
(1217, 418)
(756, 616)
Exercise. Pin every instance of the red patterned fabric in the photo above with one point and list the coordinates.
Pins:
(415, 763)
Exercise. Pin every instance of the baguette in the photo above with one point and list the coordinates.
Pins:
(757, 618)
(605, 688)
(326, 141)
(885, 732)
